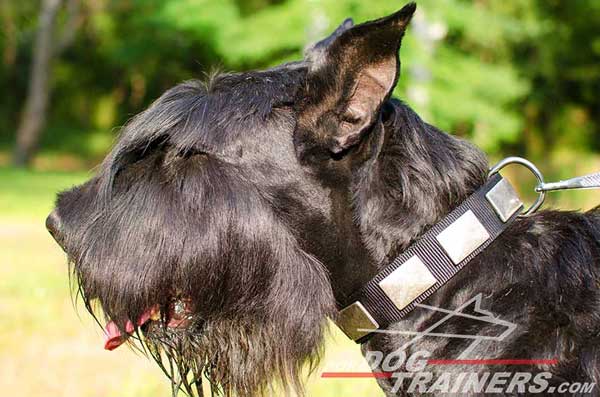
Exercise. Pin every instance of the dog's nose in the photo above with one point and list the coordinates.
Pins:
(53, 225)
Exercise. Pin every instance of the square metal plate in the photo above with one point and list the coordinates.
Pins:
(463, 237)
(504, 200)
(407, 282)
(354, 317)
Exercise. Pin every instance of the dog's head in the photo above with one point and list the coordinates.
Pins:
(212, 228)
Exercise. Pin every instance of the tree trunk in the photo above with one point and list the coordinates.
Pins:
(34, 114)
(9, 30)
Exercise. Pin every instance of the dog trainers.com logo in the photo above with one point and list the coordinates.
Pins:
(416, 371)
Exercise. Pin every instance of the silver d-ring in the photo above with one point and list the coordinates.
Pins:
(534, 170)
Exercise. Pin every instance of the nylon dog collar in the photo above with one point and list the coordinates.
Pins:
(432, 260)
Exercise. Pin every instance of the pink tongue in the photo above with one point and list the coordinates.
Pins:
(113, 337)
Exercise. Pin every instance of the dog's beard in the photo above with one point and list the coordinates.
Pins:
(238, 357)
(251, 354)
(247, 333)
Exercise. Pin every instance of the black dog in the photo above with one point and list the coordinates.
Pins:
(232, 217)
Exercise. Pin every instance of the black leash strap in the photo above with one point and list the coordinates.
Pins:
(432, 260)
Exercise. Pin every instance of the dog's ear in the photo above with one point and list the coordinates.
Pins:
(349, 80)
(317, 49)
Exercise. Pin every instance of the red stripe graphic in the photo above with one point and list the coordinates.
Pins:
(376, 375)
(385, 375)
(493, 362)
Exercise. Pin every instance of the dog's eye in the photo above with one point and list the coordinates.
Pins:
(284, 104)
(186, 154)
(350, 119)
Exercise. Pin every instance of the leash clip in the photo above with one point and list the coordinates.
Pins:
(591, 181)
(540, 188)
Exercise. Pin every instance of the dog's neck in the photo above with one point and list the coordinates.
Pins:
(418, 175)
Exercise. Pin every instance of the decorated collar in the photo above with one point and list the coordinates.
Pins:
(443, 251)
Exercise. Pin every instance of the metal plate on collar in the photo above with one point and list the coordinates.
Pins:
(504, 200)
(407, 282)
(463, 237)
(353, 318)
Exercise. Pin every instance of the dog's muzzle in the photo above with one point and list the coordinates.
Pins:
(53, 224)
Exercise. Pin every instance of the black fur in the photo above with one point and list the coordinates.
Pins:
(266, 198)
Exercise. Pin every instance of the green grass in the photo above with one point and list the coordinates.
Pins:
(30, 195)
(47, 348)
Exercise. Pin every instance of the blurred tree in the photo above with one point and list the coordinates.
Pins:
(46, 47)
(562, 60)
(518, 76)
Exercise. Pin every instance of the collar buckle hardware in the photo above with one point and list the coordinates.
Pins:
(534, 170)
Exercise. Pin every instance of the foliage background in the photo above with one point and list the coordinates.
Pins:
(519, 77)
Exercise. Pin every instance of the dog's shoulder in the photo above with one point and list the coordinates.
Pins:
(563, 238)
(594, 213)
(573, 222)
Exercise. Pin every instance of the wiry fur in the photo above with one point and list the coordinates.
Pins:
(266, 198)
(174, 213)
